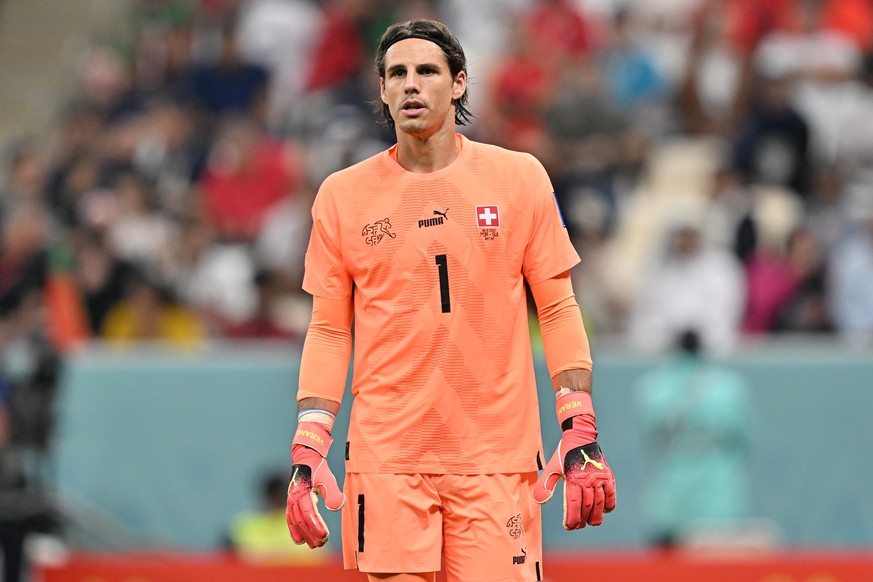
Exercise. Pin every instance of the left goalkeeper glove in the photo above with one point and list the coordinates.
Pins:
(311, 475)
(589, 485)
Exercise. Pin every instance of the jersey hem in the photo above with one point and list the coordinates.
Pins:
(428, 470)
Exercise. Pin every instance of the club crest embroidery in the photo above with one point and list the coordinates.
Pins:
(374, 233)
(515, 526)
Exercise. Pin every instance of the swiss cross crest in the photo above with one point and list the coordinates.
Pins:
(487, 216)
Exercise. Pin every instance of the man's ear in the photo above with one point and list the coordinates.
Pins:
(382, 90)
(460, 85)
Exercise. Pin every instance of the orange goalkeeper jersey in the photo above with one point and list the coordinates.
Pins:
(443, 372)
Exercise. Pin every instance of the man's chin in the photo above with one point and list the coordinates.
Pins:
(412, 127)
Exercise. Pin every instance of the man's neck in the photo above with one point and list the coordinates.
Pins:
(425, 155)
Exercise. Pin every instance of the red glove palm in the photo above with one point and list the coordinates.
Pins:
(311, 476)
(589, 485)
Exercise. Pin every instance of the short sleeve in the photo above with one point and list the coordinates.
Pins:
(325, 273)
(549, 251)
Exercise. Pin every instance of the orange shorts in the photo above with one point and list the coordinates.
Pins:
(479, 527)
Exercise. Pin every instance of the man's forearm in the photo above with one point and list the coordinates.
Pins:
(318, 404)
(576, 380)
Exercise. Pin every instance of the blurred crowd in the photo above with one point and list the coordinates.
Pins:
(713, 159)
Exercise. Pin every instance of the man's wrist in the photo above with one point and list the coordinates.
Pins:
(321, 416)
(573, 403)
(564, 390)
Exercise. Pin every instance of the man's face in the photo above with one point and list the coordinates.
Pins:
(418, 87)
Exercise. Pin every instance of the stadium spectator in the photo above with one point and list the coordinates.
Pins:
(784, 286)
(633, 79)
(138, 232)
(561, 32)
(216, 279)
(148, 313)
(280, 36)
(710, 92)
(100, 276)
(694, 286)
(773, 145)
(23, 254)
(264, 322)
(694, 418)
(338, 54)
(851, 280)
(171, 154)
(830, 214)
(260, 536)
(602, 280)
(728, 217)
(248, 173)
(104, 83)
(231, 85)
(25, 175)
(281, 244)
(518, 86)
(70, 183)
(486, 29)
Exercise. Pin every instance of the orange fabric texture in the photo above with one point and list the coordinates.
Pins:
(485, 527)
(564, 339)
(443, 371)
(327, 350)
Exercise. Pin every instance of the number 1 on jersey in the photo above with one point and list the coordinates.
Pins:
(443, 266)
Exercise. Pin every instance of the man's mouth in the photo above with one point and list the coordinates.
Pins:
(412, 108)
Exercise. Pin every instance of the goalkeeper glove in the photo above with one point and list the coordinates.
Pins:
(311, 475)
(589, 485)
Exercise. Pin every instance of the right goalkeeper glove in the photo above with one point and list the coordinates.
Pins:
(310, 475)
(589, 484)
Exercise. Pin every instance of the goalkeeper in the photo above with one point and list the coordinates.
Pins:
(425, 249)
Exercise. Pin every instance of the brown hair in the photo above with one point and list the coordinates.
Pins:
(437, 33)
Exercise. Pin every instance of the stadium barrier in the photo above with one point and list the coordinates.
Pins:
(643, 566)
(170, 446)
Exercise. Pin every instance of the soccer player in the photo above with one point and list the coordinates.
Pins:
(426, 247)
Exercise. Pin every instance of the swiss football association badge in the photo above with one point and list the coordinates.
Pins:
(487, 216)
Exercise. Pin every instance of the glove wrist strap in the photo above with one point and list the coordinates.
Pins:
(314, 436)
(573, 404)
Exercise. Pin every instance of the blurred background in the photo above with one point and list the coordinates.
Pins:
(714, 163)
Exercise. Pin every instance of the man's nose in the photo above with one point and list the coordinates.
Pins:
(412, 80)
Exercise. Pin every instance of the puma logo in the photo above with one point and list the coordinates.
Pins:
(592, 462)
(440, 218)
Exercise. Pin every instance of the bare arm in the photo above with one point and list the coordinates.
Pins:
(318, 403)
(576, 380)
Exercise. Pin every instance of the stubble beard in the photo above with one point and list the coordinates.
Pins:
(414, 127)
